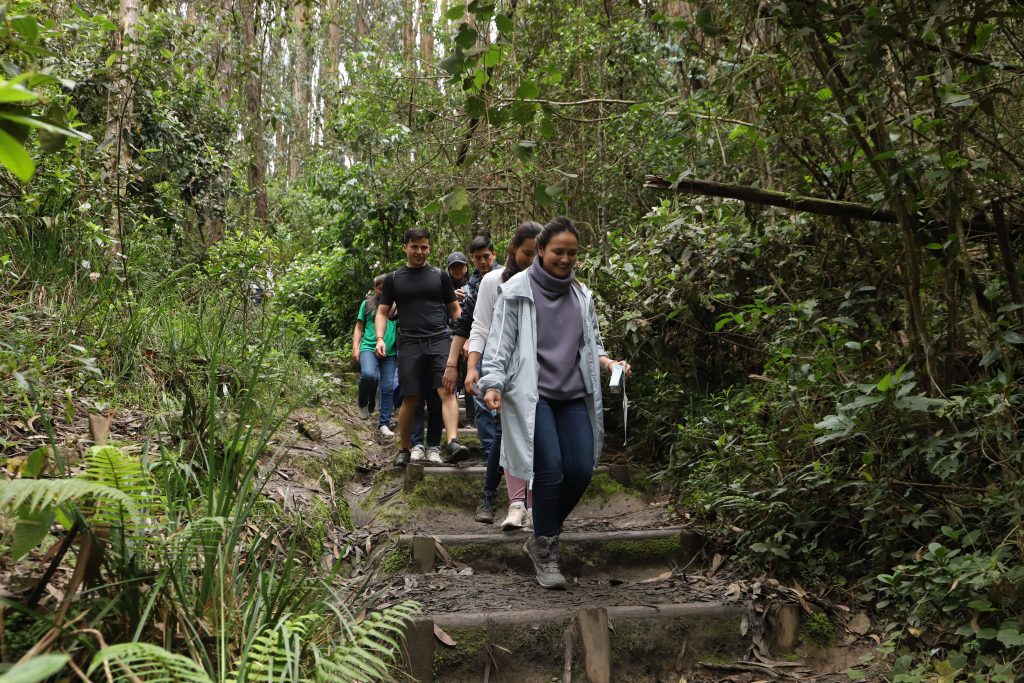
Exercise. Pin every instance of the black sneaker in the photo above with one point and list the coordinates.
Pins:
(402, 459)
(485, 510)
(456, 452)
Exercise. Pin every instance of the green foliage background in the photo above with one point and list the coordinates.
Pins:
(839, 399)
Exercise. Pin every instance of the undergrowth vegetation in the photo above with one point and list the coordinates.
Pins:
(778, 378)
(194, 199)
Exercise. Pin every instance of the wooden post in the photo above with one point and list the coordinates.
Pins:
(597, 644)
(413, 474)
(620, 474)
(691, 545)
(423, 553)
(418, 650)
(784, 623)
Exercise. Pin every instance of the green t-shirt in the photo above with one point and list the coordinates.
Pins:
(369, 342)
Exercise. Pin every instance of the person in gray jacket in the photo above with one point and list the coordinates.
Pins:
(542, 369)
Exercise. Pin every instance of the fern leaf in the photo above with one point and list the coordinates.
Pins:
(378, 633)
(199, 535)
(147, 663)
(112, 467)
(35, 495)
(276, 654)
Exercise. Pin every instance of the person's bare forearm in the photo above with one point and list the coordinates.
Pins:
(357, 335)
(458, 343)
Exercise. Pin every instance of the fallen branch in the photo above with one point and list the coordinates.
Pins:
(814, 205)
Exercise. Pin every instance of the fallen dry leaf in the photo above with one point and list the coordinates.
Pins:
(443, 637)
(859, 624)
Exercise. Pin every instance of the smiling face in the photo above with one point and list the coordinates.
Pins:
(558, 258)
(416, 252)
(525, 253)
(482, 260)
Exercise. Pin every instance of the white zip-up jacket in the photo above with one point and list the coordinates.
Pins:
(510, 366)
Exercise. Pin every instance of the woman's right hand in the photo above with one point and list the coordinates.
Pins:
(355, 358)
(492, 399)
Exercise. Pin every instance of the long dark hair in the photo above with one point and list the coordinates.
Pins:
(527, 230)
(560, 224)
(373, 299)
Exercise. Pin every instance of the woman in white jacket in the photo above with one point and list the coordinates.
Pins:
(541, 369)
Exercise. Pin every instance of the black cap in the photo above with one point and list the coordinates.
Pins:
(457, 257)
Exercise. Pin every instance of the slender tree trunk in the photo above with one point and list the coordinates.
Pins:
(224, 64)
(301, 78)
(426, 34)
(329, 60)
(252, 59)
(119, 116)
(408, 19)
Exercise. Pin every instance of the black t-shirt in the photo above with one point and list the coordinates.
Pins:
(422, 295)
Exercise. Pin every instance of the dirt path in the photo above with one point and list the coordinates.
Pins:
(675, 610)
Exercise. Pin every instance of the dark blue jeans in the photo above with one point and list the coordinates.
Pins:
(494, 471)
(487, 427)
(434, 422)
(563, 462)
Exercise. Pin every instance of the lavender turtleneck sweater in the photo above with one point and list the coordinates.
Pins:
(559, 334)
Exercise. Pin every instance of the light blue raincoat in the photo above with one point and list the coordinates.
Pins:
(510, 366)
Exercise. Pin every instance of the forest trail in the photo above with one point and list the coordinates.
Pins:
(648, 599)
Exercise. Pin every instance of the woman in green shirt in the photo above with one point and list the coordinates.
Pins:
(375, 370)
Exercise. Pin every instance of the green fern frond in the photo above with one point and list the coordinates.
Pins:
(147, 663)
(112, 467)
(370, 648)
(276, 654)
(36, 495)
(196, 537)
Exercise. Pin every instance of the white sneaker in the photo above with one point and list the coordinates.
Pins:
(417, 452)
(434, 455)
(516, 517)
(364, 412)
(386, 432)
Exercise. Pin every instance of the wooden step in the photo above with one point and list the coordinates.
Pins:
(623, 552)
(416, 471)
(606, 642)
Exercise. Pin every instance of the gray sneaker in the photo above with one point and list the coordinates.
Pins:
(544, 552)
(485, 510)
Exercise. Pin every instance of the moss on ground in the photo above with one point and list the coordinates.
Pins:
(398, 559)
(441, 491)
(818, 630)
(652, 548)
(343, 464)
(469, 642)
(603, 488)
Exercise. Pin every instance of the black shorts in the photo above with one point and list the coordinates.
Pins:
(421, 364)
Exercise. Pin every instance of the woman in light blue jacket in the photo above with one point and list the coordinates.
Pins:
(542, 369)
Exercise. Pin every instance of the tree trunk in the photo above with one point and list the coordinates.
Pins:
(408, 19)
(119, 116)
(426, 35)
(252, 59)
(223, 70)
(329, 60)
(300, 95)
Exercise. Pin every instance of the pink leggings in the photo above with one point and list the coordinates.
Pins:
(518, 490)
